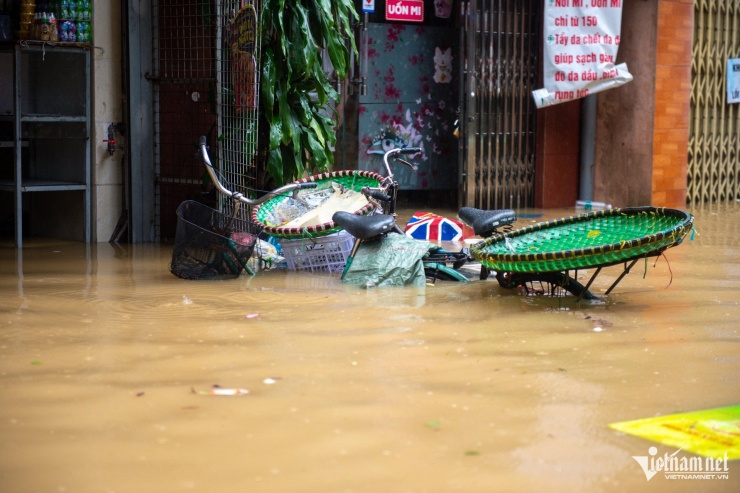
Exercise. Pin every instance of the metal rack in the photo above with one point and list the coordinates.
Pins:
(51, 140)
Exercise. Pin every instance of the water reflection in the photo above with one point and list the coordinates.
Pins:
(456, 387)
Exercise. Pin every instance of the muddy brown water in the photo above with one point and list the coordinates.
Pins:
(451, 388)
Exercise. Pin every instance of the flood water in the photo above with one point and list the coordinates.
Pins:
(105, 357)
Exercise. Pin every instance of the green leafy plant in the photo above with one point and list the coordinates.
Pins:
(296, 93)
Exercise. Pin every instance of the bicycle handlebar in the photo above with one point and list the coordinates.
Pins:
(410, 150)
(393, 153)
(376, 194)
(294, 187)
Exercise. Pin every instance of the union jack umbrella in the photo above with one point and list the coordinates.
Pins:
(429, 226)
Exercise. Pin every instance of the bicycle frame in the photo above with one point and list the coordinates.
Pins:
(239, 197)
(375, 227)
(388, 194)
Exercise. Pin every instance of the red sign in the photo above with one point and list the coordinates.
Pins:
(404, 10)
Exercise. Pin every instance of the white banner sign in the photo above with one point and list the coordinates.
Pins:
(580, 48)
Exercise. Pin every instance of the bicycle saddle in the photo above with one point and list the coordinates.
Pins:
(364, 227)
(485, 223)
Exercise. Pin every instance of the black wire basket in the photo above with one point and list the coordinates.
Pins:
(211, 245)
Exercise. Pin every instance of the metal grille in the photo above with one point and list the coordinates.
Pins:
(238, 98)
(194, 94)
(498, 115)
(714, 130)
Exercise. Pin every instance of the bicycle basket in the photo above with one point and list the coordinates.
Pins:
(351, 179)
(210, 244)
(596, 239)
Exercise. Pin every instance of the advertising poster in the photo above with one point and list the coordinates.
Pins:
(244, 64)
(580, 43)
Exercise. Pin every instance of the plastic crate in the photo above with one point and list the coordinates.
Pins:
(325, 253)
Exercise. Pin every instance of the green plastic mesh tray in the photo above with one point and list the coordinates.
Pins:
(352, 179)
(589, 240)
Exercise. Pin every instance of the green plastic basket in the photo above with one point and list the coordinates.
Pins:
(352, 179)
(590, 240)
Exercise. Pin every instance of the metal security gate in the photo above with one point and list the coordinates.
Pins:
(498, 118)
(197, 91)
(714, 129)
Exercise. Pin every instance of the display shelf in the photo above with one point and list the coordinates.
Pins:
(50, 138)
(41, 186)
(52, 119)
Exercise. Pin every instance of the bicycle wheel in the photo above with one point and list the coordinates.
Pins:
(544, 283)
(439, 272)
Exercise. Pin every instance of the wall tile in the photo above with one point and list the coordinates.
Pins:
(672, 102)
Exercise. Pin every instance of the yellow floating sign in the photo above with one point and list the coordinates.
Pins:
(711, 433)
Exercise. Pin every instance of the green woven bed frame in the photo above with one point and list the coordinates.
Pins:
(352, 179)
(595, 239)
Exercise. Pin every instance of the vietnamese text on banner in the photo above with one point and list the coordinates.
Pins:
(581, 39)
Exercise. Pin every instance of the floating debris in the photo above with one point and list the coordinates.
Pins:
(433, 424)
(220, 391)
(267, 252)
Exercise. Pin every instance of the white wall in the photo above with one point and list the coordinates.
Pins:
(107, 109)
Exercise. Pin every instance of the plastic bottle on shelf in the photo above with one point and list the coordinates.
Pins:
(53, 28)
(67, 31)
(84, 10)
(44, 29)
(71, 10)
(589, 205)
(36, 27)
(83, 32)
(26, 27)
(65, 11)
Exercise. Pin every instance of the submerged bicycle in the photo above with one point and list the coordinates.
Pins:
(543, 254)
(440, 264)
(210, 244)
(539, 258)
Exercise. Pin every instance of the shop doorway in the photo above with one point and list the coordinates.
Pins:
(411, 76)
(501, 69)
(457, 84)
